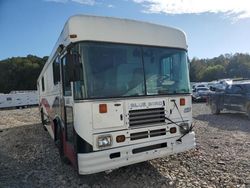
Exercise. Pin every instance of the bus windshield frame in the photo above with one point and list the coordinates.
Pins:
(114, 70)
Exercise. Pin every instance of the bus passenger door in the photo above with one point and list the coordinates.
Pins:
(67, 111)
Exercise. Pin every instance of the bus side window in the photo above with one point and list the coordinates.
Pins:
(66, 81)
(56, 71)
(43, 87)
(9, 99)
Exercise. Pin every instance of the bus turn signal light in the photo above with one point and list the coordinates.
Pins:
(103, 108)
(120, 138)
(182, 101)
(172, 130)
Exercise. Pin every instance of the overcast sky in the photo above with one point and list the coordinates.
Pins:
(213, 27)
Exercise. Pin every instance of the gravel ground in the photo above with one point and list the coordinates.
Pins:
(29, 158)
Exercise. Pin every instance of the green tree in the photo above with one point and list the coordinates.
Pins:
(224, 66)
(20, 73)
(213, 73)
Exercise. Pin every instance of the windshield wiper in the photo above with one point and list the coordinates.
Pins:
(173, 100)
(172, 121)
(188, 131)
(190, 128)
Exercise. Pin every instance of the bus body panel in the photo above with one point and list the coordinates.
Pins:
(124, 31)
(84, 118)
(103, 120)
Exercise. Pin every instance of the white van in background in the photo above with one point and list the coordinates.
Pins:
(19, 99)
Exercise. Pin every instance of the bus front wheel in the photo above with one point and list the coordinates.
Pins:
(59, 144)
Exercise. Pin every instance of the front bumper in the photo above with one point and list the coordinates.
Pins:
(99, 161)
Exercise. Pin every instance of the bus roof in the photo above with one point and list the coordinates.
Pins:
(117, 30)
(95, 28)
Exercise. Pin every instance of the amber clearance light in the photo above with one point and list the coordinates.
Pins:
(72, 36)
(120, 138)
(103, 108)
(182, 101)
(172, 130)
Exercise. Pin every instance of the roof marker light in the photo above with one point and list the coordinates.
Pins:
(72, 36)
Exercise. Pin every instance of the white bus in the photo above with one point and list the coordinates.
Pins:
(115, 92)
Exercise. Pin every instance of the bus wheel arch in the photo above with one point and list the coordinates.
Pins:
(59, 141)
(58, 134)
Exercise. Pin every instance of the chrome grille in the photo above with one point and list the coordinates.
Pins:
(146, 116)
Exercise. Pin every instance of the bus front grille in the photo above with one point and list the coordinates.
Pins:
(146, 116)
(147, 134)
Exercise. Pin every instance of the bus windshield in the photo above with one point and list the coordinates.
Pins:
(119, 70)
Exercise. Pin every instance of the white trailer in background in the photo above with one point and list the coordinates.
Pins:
(19, 99)
(115, 92)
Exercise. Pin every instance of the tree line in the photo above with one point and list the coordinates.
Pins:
(225, 66)
(21, 73)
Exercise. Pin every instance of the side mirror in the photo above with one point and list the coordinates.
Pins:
(74, 67)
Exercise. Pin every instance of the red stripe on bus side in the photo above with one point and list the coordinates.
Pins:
(68, 148)
(49, 111)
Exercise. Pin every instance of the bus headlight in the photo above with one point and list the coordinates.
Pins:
(184, 128)
(104, 141)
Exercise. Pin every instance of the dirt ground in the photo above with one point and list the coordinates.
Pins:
(29, 158)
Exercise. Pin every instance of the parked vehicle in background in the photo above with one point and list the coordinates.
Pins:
(19, 99)
(200, 94)
(236, 96)
(219, 85)
(200, 84)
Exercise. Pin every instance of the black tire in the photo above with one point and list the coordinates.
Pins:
(43, 121)
(59, 144)
(214, 109)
